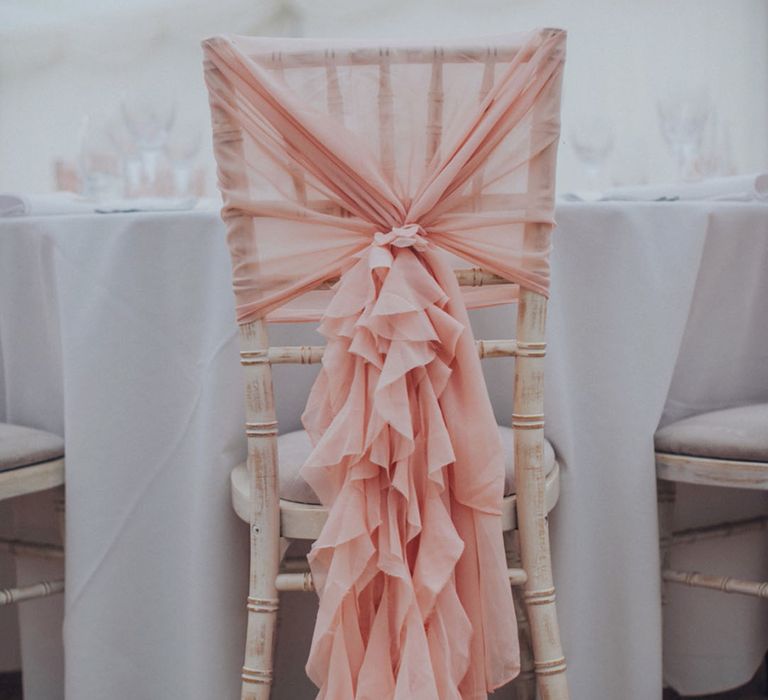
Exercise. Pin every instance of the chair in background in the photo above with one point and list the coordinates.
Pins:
(31, 461)
(277, 503)
(724, 449)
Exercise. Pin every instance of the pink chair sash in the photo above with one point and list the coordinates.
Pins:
(373, 164)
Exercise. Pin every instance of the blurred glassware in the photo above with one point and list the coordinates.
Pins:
(125, 146)
(632, 163)
(99, 163)
(182, 149)
(715, 157)
(592, 141)
(683, 115)
(66, 176)
(148, 119)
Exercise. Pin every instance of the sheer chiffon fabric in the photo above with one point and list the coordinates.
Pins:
(381, 165)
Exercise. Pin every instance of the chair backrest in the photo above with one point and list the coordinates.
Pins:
(436, 133)
(332, 72)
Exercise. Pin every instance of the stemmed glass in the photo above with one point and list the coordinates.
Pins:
(149, 119)
(715, 157)
(592, 142)
(99, 164)
(182, 149)
(127, 150)
(683, 116)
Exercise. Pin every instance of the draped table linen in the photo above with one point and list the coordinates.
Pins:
(156, 560)
(410, 567)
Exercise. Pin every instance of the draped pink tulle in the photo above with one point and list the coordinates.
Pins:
(342, 163)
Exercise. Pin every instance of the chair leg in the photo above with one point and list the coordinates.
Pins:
(666, 493)
(539, 595)
(267, 549)
(263, 604)
(524, 686)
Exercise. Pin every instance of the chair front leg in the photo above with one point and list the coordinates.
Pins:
(263, 605)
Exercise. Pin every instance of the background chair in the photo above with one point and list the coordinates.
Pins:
(726, 449)
(276, 503)
(30, 461)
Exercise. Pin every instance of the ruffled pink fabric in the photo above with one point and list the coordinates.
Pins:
(410, 567)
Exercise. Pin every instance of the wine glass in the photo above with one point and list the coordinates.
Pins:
(99, 162)
(125, 145)
(182, 148)
(715, 156)
(683, 116)
(149, 119)
(592, 141)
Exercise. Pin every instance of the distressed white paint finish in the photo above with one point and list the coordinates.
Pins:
(725, 584)
(313, 354)
(38, 477)
(712, 472)
(37, 590)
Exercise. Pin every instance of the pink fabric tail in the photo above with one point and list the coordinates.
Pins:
(411, 571)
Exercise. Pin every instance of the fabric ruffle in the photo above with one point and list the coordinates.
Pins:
(410, 567)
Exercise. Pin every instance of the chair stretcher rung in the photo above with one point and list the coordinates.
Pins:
(302, 580)
(295, 581)
(517, 577)
(38, 590)
(312, 354)
(466, 277)
(725, 584)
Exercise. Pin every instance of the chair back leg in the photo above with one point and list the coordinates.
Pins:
(264, 518)
(528, 422)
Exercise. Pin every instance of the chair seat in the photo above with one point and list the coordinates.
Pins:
(30, 461)
(305, 519)
(739, 434)
(23, 447)
(294, 448)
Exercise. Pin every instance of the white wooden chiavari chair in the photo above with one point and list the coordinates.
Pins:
(31, 461)
(725, 449)
(258, 486)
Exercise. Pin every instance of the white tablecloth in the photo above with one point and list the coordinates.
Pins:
(118, 331)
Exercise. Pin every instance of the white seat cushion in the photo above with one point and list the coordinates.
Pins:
(738, 434)
(22, 447)
(294, 448)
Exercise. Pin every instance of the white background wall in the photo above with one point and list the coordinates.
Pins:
(61, 60)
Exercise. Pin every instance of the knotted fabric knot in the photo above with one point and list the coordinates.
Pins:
(405, 236)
